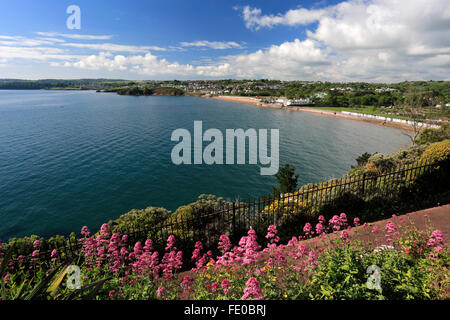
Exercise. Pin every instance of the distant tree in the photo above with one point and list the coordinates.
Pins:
(362, 159)
(287, 180)
(414, 100)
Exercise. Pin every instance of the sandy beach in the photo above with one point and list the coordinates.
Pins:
(329, 113)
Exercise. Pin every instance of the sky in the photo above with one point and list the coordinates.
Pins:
(351, 40)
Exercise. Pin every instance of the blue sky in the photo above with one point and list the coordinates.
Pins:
(352, 40)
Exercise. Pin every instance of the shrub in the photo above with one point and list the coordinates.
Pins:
(438, 151)
(138, 218)
(435, 135)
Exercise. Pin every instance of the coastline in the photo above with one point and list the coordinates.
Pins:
(257, 103)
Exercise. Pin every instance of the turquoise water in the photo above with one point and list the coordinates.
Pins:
(69, 159)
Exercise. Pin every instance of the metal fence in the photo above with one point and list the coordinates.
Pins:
(370, 192)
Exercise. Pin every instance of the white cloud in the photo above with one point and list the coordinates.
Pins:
(75, 36)
(218, 45)
(290, 59)
(113, 47)
(373, 39)
(254, 20)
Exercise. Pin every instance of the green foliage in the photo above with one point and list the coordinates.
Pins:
(342, 274)
(438, 151)
(362, 159)
(138, 219)
(430, 135)
(287, 180)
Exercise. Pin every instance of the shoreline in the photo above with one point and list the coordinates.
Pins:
(329, 113)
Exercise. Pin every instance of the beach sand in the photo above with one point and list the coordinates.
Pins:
(317, 111)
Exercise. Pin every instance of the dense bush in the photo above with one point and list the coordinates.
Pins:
(438, 151)
(138, 219)
(430, 135)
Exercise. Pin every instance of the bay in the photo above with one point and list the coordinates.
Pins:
(70, 158)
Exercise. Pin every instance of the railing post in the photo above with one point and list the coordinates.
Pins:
(234, 221)
(363, 185)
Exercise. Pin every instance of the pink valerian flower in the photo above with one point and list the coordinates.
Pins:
(123, 252)
(335, 223)
(272, 234)
(344, 235)
(356, 222)
(248, 250)
(36, 244)
(391, 227)
(85, 231)
(104, 230)
(225, 286)
(300, 251)
(186, 283)
(312, 260)
(200, 260)
(148, 245)
(172, 260)
(227, 259)
(252, 290)
(161, 292)
(111, 293)
(343, 218)
(374, 229)
(307, 228)
(54, 255)
(35, 255)
(214, 286)
(137, 249)
(320, 228)
(321, 219)
(436, 238)
(170, 243)
(224, 243)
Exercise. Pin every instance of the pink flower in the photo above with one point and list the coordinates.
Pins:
(226, 283)
(161, 292)
(356, 221)
(170, 243)
(252, 290)
(343, 218)
(54, 255)
(374, 229)
(85, 231)
(104, 230)
(214, 286)
(111, 293)
(390, 227)
(436, 238)
(138, 248)
(344, 235)
(187, 282)
(36, 244)
(335, 222)
(224, 243)
(319, 228)
(321, 219)
(307, 228)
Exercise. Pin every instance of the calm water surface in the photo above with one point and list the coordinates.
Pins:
(69, 159)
